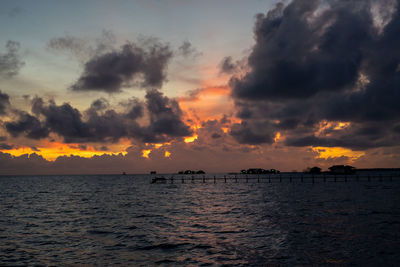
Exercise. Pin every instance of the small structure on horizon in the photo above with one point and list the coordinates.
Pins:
(315, 170)
(153, 172)
(342, 169)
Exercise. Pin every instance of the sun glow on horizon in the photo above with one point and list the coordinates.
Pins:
(51, 151)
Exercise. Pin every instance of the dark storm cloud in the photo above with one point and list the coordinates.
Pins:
(165, 117)
(28, 125)
(317, 61)
(99, 104)
(294, 58)
(99, 123)
(111, 71)
(10, 62)
(4, 102)
(245, 133)
(5, 146)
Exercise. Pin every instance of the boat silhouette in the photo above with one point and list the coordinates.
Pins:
(158, 180)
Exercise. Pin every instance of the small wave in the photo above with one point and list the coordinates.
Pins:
(164, 261)
(163, 246)
(98, 232)
(196, 225)
(231, 232)
(201, 246)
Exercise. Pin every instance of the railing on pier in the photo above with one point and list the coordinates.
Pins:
(279, 178)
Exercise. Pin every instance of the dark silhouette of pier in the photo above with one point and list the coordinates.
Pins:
(282, 177)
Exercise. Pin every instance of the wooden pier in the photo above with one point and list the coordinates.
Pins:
(281, 178)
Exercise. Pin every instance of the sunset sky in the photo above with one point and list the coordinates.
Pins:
(134, 86)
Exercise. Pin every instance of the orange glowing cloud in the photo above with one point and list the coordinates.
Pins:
(146, 153)
(336, 152)
(190, 139)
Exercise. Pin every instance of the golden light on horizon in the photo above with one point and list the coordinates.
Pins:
(277, 137)
(52, 150)
(167, 154)
(145, 153)
(190, 139)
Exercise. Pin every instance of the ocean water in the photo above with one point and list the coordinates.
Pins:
(115, 220)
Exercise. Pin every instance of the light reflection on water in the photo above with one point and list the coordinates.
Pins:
(125, 220)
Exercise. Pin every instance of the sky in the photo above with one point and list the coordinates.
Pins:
(135, 86)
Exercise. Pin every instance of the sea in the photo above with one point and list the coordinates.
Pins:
(124, 220)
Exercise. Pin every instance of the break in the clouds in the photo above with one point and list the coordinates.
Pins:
(100, 123)
(324, 73)
(144, 63)
(10, 61)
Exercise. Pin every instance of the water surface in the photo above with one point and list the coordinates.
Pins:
(125, 220)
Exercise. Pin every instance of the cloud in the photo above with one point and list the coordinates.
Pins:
(100, 123)
(145, 63)
(5, 146)
(16, 11)
(316, 61)
(165, 117)
(4, 102)
(83, 48)
(10, 62)
(187, 50)
(28, 125)
(228, 66)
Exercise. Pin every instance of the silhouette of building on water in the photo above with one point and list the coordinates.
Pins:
(314, 170)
